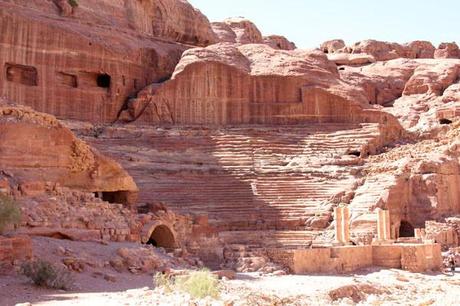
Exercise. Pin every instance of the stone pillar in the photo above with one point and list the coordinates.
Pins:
(346, 224)
(338, 225)
(418, 234)
(387, 233)
(380, 226)
(383, 225)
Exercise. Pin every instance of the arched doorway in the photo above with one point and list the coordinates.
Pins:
(406, 229)
(162, 237)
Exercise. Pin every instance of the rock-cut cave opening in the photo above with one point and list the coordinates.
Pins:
(118, 197)
(162, 237)
(355, 153)
(104, 80)
(406, 229)
(445, 121)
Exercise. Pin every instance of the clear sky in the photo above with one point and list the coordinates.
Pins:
(310, 22)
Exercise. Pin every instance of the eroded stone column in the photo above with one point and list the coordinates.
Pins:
(387, 232)
(383, 225)
(380, 224)
(338, 212)
(346, 224)
(418, 234)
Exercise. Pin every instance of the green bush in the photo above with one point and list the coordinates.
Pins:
(45, 274)
(9, 212)
(73, 3)
(199, 284)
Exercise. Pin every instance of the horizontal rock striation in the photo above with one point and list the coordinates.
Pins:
(225, 84)
(78, 66)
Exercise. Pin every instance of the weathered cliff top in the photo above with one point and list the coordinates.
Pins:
(259, 59)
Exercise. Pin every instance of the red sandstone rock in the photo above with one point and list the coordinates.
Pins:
(351, 59)
(242, 31)
(38, 150)
(229, 274)
(279, 42)
(105, 66)
(432, 79)
(332, 46)
(381, 51)
(246, 32)
(384, 51)
(356, 293)
(15, 248)
(447, 50)
(256, 84)
(419, 49)
(224, 32)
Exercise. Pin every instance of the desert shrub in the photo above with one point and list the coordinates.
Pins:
(199, 284)
(9, 212)
(73, 3)
(164, 281)
(45, 274)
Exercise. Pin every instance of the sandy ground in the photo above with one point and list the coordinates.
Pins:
(396, 287)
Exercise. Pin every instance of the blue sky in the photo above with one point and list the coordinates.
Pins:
(310, 22)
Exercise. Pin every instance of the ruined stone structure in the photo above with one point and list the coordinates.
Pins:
(342, 225)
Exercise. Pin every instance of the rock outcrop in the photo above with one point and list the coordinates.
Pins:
(419, 92)
(279, 42)
(38, 152)
(333, 46)
(242, 31)
(447, 50)
(245, 31)
(381, 50)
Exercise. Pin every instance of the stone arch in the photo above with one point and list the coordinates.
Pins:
(159, 234)
(406, 229)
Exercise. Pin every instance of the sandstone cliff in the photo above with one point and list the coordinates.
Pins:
(85, 65)
(253, 84)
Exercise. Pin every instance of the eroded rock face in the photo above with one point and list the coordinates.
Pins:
(351, 59)
(447, 50)
(382, 50)
(37, 150)
(253, 84)
(419, 49)
(174, 20)
(105, 66)
(419, 91)
(246, 32)
(332, 46)
(279, 42)
(242, 31)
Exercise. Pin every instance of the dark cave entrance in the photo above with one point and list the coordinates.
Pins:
(355, 153)
(115, 197)
(445, 121)
(103, 80)
(406, 229)
(162, 237)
